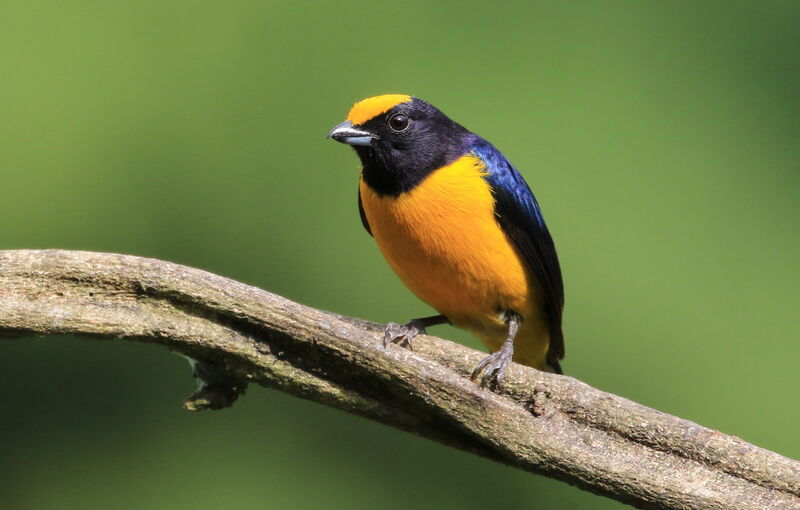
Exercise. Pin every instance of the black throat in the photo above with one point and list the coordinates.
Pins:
(389, 171)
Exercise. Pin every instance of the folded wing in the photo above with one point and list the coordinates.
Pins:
(519, 216)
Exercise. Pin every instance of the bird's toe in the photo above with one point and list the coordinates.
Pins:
(401, 334)
(493, 368)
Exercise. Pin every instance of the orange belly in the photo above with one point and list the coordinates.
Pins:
(443, 241)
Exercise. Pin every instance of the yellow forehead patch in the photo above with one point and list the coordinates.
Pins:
(371, 107)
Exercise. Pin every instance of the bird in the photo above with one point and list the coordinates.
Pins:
(461, 228)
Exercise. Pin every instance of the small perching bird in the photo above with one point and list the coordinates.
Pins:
(461, 228)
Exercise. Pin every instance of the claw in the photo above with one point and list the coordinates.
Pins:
(403, 334)
(493, 367)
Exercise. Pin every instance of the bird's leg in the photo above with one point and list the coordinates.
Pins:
(496, 363)
(404, 334)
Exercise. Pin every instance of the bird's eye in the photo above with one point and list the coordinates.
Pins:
(399, 122)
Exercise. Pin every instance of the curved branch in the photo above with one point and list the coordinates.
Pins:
(544, 423)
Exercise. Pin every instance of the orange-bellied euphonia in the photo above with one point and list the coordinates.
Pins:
(461, 228)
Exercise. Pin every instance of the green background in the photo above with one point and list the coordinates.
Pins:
(661, 140)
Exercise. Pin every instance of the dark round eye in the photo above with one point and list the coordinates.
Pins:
(399, 122)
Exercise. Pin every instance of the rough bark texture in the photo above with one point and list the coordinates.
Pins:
(544, 423)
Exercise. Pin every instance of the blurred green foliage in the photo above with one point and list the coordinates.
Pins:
(660, 138)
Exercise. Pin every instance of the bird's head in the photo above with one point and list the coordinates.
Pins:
(400, 139)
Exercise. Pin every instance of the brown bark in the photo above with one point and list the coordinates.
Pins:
(544, 423)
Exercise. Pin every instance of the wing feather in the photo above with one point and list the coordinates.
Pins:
(363, 214)
(520, 217)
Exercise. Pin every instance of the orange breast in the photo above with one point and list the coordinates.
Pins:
(444, 242)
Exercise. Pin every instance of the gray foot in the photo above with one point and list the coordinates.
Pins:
(494, 366)
(403, 334)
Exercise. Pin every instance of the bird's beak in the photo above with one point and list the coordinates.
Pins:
(346, 133)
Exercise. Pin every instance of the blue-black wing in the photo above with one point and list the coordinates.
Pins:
(363, 214)
(519, 216)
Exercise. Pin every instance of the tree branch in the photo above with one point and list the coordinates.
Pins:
(543, 423)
